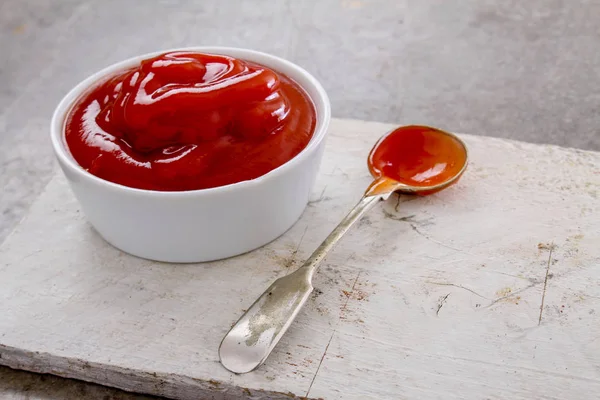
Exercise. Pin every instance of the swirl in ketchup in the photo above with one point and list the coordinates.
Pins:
(187, 121)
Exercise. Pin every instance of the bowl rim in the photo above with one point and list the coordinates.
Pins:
(323, 115)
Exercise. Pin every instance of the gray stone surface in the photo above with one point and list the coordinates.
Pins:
(526, 70)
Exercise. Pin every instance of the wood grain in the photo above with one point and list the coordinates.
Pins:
(490, 289)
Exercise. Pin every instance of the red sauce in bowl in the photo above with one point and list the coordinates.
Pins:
(188, 121)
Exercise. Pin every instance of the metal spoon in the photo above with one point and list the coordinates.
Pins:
(250, 341)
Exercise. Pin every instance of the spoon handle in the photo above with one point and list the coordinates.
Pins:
(311, 265)
(252, 338)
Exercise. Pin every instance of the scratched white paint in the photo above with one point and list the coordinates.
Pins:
(428, 298)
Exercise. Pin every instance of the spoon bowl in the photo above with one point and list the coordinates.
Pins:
(416, 159)
(412, 159)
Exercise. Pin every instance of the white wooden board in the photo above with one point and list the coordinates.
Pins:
(489, 290)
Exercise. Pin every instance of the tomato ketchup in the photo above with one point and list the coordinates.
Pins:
(187, 121)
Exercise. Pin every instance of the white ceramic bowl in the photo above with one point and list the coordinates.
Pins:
(198, 225)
